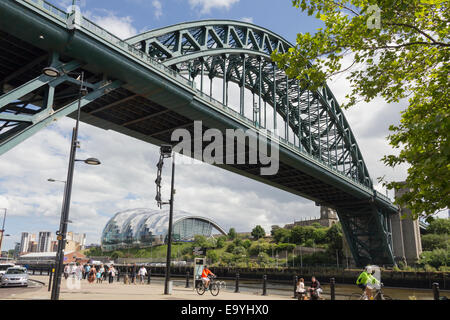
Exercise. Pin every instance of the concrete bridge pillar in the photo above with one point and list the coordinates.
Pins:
(410, 232)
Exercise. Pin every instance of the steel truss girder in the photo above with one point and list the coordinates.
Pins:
(212, 44)
(23, 123)
(367, 231)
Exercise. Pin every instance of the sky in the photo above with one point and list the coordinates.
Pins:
(125, 179)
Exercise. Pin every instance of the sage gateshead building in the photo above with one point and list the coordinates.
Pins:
(147, 227)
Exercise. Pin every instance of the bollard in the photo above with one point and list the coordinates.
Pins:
(436, 290)
(50, 279)
(40, 270)
(332, 284)
(149, 276)
(264, 285)
(187, 279)
(236, 290)
(118, 275)
(295, 286)
(33, 271)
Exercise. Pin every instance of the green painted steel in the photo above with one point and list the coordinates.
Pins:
(161, 66)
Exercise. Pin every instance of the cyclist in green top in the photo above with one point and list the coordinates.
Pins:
(366, 281)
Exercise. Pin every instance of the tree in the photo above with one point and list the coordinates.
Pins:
(258, 232)
(439, 226)
(221, 242)
(281, 235)
(232, 234)
(435, 241)
(399, 50)
(212, 256)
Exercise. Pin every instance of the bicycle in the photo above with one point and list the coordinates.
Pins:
(222, 285)
(379, 295)
(214, 287)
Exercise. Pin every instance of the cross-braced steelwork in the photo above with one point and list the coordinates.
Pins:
(240, 53)
(158, 81)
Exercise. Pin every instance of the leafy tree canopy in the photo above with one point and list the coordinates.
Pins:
(399, 49)
(258, 232)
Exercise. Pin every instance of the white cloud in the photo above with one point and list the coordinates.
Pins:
(157, 6)
(247, 19)
(119, 26)
(207, 5)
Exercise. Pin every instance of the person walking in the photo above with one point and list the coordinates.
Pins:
(86, 271)
(133, 273)
(66, 271)
(301, 289)
(112, 273)
(78, 271)
(92, 274)
(142, 273)
(99, 276)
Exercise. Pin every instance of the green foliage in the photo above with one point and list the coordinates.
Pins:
(221, 242)
(227, 258)
(435, 258)
(239, 251)
(405, 56)
(230, 247)
(258, 232)
(281, 235)
(435, 241)
(263, 259)
(246, 243)
(439, 226)
(232, 234)
(285, 246)
(212, 256)
(260, 246)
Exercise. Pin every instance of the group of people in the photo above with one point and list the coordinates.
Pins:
(133, 273)
(313, 292)
(90, 272)
(366, 281)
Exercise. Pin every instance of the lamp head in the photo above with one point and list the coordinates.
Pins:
(92, 161)
(51, 72)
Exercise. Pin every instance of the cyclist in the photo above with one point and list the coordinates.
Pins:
(366, 281)
(205, 276)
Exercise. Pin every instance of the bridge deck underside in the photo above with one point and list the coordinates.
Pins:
(134, 113)
(139, 116)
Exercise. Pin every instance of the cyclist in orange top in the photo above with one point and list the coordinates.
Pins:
(205, 273)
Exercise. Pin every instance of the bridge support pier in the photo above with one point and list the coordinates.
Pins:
(410, 233)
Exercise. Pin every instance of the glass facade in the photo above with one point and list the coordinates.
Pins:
(146, 227)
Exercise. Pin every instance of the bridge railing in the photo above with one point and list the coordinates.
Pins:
(286, 144)
(92, 28)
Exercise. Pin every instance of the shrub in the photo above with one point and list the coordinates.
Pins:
(435, 258)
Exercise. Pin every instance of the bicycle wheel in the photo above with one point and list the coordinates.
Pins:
(214, 288)
(223, 285)
(385, 297)
(200, 289)
(356, 296)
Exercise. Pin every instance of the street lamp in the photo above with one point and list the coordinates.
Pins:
(3, 229)
(166, 152)
(61, 233)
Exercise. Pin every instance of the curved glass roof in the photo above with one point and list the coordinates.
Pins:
(142, 225)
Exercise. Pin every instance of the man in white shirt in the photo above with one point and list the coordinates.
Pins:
(142, 273)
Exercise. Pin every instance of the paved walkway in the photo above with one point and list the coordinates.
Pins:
(121, 291)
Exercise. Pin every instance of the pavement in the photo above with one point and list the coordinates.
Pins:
(121, 291)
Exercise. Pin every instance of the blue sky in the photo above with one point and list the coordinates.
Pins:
(278, 16)
(99, 192)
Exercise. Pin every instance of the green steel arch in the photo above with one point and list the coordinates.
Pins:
(145, 87)
(239, 52)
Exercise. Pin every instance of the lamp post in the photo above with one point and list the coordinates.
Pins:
(3, 230)
(166, 152)
(61, 233)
